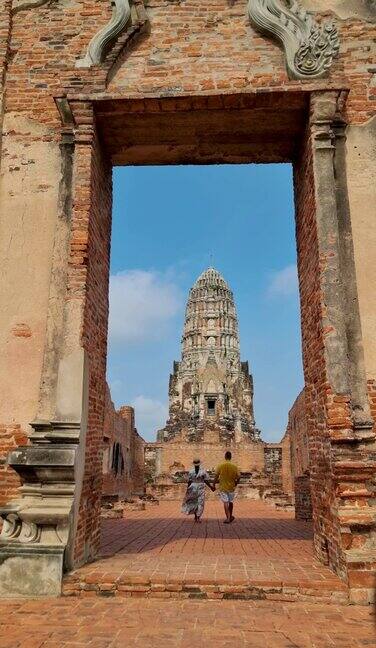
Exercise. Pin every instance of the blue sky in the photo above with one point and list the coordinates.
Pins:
(167, 222)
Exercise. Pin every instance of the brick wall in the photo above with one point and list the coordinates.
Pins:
(296, 458)
(88, 282)
(192, 49)
(303, 502)
(123, 452)
(220, 53)
(297, 427)
(294, 452)
(10, 437)
(247, 456)
(313, 352)
(273, 463)
(261, 464)
(287, 480)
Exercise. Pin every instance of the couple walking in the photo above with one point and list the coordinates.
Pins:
(226, 475)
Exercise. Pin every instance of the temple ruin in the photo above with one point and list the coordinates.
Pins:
(211, 404)
(88, 85)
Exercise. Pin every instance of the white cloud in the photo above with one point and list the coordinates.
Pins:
(141, 304)
(151, 415)
(284, 282)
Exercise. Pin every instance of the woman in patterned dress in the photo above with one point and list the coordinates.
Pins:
(194, 500)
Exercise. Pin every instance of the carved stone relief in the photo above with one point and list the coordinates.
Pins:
(99, 44)
(309, 47)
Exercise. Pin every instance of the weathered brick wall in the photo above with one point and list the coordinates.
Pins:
(219, 53)
(5, 35)
(326, 531)
(303, 502)
(296, 457)
(192, 49)
(222, 53)
(263, 465)
(297, 427)
(179, 456)
(273, 463)
(88, 282)
(123, 467)
(10, 438)
(287, 478)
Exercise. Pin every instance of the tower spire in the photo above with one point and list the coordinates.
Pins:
(210, 387)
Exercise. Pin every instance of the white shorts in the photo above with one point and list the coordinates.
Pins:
(227, 496)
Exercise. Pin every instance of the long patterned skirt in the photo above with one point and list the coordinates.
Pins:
(194, 500)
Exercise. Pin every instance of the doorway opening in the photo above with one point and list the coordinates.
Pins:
(164, 240)
(266, 128)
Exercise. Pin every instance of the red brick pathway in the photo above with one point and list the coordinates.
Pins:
(130, 623)
(259, 531)
(160, 553)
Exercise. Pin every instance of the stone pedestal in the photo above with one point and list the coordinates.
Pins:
(34, 570)
(37, 527)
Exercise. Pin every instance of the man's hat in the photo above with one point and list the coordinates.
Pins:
(196, 462)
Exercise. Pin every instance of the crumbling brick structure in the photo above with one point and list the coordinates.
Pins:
(123, 453)
(303, 500)
(206, 83)
(260, 464)
(297, 461)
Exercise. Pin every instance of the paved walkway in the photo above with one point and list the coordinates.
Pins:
(259, 531)
(160, 553)
(119, 623)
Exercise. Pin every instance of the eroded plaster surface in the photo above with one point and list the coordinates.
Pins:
(28, 199)
(361, 169)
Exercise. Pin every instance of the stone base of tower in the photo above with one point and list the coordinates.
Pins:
(260, 464)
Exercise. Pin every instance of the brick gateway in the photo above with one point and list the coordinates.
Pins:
(170, 83)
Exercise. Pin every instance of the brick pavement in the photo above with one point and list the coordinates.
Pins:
(131, 623)
(264, 554)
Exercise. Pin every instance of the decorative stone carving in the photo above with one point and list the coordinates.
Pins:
(309, 47)
(104, 37)
(39, 521)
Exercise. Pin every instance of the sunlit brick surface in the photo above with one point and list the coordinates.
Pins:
(160, 553)
(126, 623)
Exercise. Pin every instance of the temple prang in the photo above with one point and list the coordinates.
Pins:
(211, 406)
(210, 388)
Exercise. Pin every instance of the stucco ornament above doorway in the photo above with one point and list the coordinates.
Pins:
(309, 47)
(96, 51)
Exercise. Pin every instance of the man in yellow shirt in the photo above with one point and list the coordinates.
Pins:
(228, 476)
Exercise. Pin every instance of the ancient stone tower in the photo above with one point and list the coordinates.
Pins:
(210, 388)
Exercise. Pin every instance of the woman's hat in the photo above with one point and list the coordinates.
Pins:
(196, 462)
